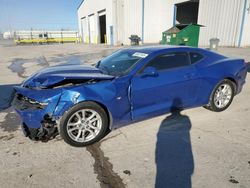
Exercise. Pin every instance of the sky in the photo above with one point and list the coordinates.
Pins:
(37, 14)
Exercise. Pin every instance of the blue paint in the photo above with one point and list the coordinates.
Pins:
(149, 94)
(58, 74)
(142, 22)
(242, 22)
(174, 16)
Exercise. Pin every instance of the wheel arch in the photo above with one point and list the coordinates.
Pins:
(219, 81)
(105, 108)
(226, 79)
(71, 98)
(234, 83)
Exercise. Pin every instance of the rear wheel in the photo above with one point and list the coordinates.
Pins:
(84, 124)
(222, 96)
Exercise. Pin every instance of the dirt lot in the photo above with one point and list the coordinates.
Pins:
(198, 149)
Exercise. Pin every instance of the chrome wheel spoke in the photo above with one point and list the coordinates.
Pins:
(95, 128)
(220, 103)
(83, 115)
(73, 124)
(73, 129)
(224, 89)
(78, 116)
(78, 134)
(92, 116)
(83, 134)
(216, 100)
(95, 119)
(92, 133)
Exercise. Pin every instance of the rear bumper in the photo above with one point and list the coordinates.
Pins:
(241, 76)
(240, 87)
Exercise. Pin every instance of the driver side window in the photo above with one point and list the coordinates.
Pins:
(170, 60)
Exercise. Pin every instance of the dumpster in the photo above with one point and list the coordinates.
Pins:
(134, 39)
(182, 34)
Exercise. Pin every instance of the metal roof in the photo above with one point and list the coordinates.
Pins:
(80, 5)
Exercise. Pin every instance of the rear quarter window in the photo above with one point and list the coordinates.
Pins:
(195, 57)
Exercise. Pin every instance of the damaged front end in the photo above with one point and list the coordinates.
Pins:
(38, 122)
(47, 130)
(44, 97)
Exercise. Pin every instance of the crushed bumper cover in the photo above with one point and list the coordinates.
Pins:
(36, 109)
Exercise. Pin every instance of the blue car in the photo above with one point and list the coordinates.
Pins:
(83, 103)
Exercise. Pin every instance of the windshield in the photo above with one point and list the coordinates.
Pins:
(120, 62)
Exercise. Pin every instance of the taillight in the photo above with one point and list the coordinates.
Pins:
(245, 63)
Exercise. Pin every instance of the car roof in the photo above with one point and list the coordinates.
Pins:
(152, 49)
(168, 48)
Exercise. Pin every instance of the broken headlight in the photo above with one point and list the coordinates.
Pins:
(22, 103)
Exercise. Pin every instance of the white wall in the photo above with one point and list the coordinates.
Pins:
(246, 29)
(118, 21)
(8, 35)
(158, 17)
(90, 7)
(221, 19)
(132, 19)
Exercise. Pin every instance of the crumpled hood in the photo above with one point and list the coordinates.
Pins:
(54, 76)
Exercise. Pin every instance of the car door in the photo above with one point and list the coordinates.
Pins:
(174, 85)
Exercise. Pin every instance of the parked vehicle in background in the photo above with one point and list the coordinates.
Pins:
(82, 103)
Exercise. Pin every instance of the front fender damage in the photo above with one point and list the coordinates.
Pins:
(49, 124)
(42, 123)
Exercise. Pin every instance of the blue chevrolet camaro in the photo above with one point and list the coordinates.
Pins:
(82, 103)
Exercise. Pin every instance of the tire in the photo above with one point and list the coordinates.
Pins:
(78, 128)
(216, 98)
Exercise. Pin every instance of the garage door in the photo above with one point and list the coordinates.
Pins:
(92, 28)
(85, 37)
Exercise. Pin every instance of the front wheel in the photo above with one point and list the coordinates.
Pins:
(222, 96)
(84, 124)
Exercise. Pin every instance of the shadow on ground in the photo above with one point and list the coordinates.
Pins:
(6, 96)
(10, 122)
(248, 67)
(174, 157)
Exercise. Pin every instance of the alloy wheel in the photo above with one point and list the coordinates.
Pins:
(84, 125)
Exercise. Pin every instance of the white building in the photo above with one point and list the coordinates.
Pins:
(8, 35)
(113, 21)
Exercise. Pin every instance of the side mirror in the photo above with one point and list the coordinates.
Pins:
(149, 71)
(98, 64)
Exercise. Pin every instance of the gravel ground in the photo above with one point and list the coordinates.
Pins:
(199, 148)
